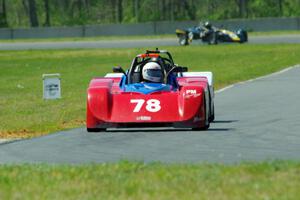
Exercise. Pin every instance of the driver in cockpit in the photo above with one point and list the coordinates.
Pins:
(152, 73)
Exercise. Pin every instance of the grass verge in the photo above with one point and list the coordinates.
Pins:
(125, 180)
(24, 113)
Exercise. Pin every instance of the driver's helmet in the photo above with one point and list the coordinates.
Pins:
(207, 25)
(152, 72)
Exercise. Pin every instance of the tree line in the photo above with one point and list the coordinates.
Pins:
(35, 13)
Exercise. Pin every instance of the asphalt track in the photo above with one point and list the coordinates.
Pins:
(292, 38)
(256, 120)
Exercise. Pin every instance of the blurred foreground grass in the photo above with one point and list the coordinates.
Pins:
(127, 180)
(23, 112)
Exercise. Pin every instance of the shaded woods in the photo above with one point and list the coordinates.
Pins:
(34, 13)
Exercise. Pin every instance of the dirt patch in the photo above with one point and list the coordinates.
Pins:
(18, 134)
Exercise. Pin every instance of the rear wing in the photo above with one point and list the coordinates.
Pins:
(208, 75)
(114, 75)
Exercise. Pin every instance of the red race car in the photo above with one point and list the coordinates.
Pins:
(153, 92)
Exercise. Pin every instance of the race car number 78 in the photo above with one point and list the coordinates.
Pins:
(153, 105)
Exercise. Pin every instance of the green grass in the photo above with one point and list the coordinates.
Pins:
(269, 180)
(24, 113)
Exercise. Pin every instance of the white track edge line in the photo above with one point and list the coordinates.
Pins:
(258, 78)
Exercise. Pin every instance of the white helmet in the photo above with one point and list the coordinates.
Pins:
(152, 72)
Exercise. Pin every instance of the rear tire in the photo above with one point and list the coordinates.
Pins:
(211, 107)
(207, 122)
(212, 118)
(95, 129)
(213, 38)
(246, 36)
(243, 35)
(212, 115)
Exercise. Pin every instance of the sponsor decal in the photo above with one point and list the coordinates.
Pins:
(143, 118)
(191, 93)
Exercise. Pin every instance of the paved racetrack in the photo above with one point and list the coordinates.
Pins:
(133, 43)
(256, 120)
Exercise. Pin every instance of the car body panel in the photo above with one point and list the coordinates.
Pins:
(109, 103)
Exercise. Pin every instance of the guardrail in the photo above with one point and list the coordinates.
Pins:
(149, 28)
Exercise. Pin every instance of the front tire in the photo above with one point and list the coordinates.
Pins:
(183, 40)
(201, 128)
(213, 38)
(96, 129)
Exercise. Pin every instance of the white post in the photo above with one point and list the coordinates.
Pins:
(51, 86)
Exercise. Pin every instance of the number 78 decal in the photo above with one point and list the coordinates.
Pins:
(153, 105)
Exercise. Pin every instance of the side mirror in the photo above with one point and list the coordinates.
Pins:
(184, 69)
(118, 69)
(176, 69)
(179, 69)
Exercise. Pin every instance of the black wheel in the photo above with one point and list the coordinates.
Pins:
(207, 122)
(183, 40)
(212, 118)
(211, 113)
(201, 128)
(211, 108)
(243, 35)
(213, 38)
(96, 129)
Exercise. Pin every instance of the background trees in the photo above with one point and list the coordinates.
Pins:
(32, 12)
(3, 16)
(24, 13)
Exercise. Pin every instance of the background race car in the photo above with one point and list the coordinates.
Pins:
(126, 99)
(210, 35)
